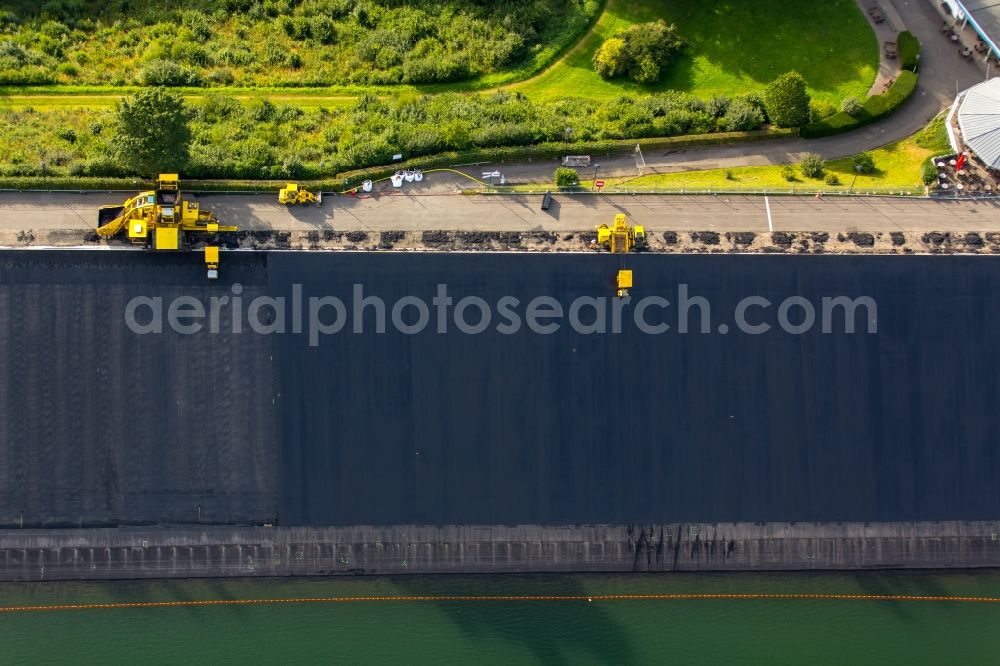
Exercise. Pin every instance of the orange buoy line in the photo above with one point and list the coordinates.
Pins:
(508, 598)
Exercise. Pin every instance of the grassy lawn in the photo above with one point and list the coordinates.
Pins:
(934, 137)
(897, 168)
(734, 46)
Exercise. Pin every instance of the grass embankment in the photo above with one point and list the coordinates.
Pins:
(897, 168)
(734, 46)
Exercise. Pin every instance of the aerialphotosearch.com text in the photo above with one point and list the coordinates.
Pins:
(681, 312)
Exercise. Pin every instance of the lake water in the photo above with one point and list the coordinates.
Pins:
(553, 632)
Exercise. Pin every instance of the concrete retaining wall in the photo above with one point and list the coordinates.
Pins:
(161, 552)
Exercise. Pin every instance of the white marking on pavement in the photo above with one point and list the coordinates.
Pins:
(767, 205)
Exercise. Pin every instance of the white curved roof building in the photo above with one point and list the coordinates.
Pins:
(979, 120)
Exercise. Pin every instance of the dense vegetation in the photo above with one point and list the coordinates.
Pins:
(260, 139)
(280, 42)
(641, 52)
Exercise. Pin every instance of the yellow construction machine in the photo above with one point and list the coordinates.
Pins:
(623, 282)
(162, 220)
(291, 194)
(622, 239)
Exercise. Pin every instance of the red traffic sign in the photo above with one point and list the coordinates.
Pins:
(599, 183)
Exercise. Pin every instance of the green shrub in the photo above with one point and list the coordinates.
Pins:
(642, 52)
(788, 173)
(812, 165)
(221, 77)
(438, 70)
(754, 98)
(831, 179)
(852, 106)
(33, 75)
(717, 106)
(929, 172)
(741, 116)
(874, 108)
(323, 30)
(166, 73)
(610, 59)
(863, 163)
(293, 167)
(909, 50)
(884, 104)
(566, 177)
(787, 101)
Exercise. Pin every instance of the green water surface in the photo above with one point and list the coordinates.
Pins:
(495, 632)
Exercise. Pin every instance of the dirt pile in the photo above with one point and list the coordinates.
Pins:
(669, 242)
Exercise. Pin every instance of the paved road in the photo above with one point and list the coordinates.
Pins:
(406, 212)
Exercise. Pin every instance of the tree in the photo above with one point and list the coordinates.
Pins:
(151, 133)
(642, 52)
(812, 165)
(864, 163)
(609, 60)
(787, 101)
(566, 177)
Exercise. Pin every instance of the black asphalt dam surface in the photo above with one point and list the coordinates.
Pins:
(497, 424)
